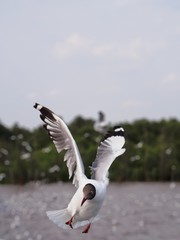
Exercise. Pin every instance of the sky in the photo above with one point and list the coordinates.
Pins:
(78, 57)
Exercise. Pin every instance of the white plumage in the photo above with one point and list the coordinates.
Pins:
(87, 200)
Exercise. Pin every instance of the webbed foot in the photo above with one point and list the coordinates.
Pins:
(86, 230)
(70, 222)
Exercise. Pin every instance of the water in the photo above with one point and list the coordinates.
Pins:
(131, 211)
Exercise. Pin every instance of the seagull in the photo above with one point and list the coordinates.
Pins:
(84, 206)
(101, 125)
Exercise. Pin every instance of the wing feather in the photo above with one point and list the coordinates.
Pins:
(63, 140)
(108, 150)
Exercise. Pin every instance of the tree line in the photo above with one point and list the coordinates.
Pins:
(152, 152)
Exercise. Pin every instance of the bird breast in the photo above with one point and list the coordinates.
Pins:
(91, 207)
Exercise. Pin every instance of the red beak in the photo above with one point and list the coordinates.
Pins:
(83, 201)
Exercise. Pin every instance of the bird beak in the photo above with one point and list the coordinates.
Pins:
(83, 201)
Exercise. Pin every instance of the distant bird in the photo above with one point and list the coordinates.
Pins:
(88, 198)
(101, 125)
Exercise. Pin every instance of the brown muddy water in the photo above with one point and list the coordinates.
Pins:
(131, 211)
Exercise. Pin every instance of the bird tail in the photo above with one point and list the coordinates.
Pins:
(59, 217)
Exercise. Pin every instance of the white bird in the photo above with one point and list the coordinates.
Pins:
(88, 198)
(101, 125)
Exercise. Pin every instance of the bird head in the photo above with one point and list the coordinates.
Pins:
(89, 192)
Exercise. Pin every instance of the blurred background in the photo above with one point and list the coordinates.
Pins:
(85, 60)
(82, 57)
(152, 152)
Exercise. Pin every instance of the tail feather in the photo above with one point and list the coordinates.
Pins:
(59, 217)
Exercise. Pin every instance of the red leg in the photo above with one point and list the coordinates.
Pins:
(87, 228)
(70, 222)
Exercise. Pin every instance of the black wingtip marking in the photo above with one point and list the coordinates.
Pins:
(36, 105)
(42, 117)
(117, 131)
(47, 113)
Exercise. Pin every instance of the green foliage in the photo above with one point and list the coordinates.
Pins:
(152, 152)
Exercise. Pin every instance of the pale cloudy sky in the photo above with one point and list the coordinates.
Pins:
(79, 57)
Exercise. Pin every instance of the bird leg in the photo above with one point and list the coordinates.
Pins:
(70, 222)
(87, 228)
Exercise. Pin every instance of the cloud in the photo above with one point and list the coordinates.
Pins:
(171, 78)
(134, 107)
(31, 95)
(133, 103)
(50, 93)
(170, 82)
(75, 44)
(53, 93)
(134, 49)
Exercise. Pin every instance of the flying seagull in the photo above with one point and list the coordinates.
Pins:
(101, 125)
(88, 198)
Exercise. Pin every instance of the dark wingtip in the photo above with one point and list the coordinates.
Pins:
(36, 105)
(42, 117)
(117, 131)
(45, 112)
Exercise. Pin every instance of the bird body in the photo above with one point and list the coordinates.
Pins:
(89, 209)
(82, 214)
(89, 196)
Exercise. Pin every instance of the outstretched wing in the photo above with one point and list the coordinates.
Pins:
(63, 140)
(109, 148)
